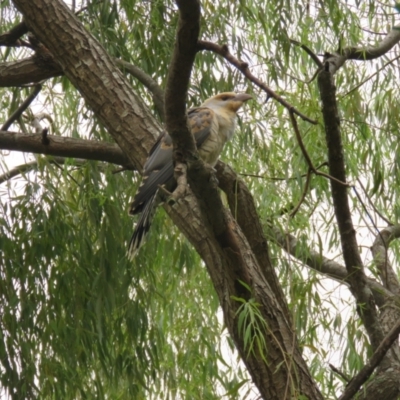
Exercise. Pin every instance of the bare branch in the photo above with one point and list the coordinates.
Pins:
(379, 251)
(372, 52)
(304, 194)
(147, 81)
(21, 169)
(179, 76)
(339, 372)
(18, 112)
(23, 72)
(64, 147)
(305, 153)
(313, 56)
(373, 362)
(11, 37)
(351, 254)
(370, 77)
(337, 59)
(243, 67)
(316, 261)
(372, 203)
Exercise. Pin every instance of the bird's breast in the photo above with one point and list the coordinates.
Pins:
(213, 145)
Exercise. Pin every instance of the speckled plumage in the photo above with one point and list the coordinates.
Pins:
(212, 125)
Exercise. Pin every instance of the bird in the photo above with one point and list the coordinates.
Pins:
(212, 124)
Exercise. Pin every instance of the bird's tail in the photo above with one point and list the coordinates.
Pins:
(143, 225)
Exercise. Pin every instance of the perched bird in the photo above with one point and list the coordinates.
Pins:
(212, 124)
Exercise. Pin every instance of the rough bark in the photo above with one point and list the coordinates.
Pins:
(64, 147)
(94, 74)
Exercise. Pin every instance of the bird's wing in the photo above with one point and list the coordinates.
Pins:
(200, 122)
(159, 155)
(159, 169)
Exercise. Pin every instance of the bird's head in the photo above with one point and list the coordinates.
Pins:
(228, 101)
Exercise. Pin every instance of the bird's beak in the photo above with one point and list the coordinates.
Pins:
(243, 97)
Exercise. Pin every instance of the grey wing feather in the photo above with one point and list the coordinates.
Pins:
(159, 170)
(200, 121)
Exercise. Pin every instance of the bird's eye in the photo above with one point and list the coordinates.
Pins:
(225, 98)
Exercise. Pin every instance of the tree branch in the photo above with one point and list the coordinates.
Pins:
(179, 76)
(11, 37)
(313, 56)
(21, 169)
(316, 261)
(304, 194)
(24, 72)
(135, 130)
(351, 254)
(380, 253)
(29, 70)
(243, 208)
(64, 147)
(305, 153)
(338, 58)
(373, 362)
(147, 81)
(18, 112)
(243, 67)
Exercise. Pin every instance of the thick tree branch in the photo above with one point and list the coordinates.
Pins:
(24, 72)
(373, 362)
(243, 208)
(76, 59)
(11, 37)
(29, 70)
(64, 147)
(179, 77)
(243, 67)
(338, 58)
(351, 254)
(318, 262)
(200, 176)
(224, 277)
(380, 253)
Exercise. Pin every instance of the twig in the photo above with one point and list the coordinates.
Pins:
(18, 112)
(20, 169)
(373, 362)
(370, 77)
(309, 52)
(243, 67)
(385, 275)
(372, 203)
(303, 196)
(306, 156)
(282, 179)
(339, 372)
